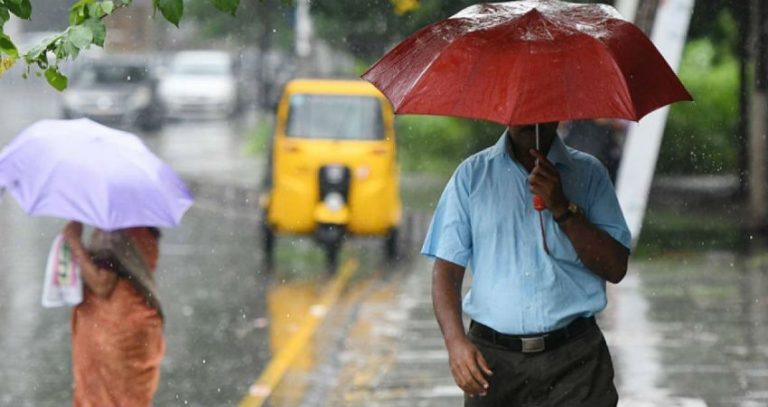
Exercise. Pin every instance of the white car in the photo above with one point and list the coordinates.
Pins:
(201, 84)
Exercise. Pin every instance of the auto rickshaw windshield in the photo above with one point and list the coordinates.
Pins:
(340, 117)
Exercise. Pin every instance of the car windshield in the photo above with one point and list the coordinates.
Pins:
(198, 68)
(335, 117)
(94, 75)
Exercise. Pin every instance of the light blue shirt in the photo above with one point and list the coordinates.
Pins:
(485, 220)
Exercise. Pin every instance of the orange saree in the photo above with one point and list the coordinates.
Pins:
(117, 342)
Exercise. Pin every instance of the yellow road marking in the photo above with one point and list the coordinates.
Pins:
(275, 370)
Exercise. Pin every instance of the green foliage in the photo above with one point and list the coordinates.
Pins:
(687, 230)
(82, 10)
(259, 137)
(248, 26)
(56, 79)
(227, 6)
(368, 28)
(86, 28)
(5, 15)
(98, 30)
(21, 8)
(700, 136)
(172, 10)
(7, 47)
(438, 144)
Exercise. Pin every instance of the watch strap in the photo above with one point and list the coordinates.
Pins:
(571, 210)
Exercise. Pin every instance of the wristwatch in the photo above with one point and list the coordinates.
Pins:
(571, 210)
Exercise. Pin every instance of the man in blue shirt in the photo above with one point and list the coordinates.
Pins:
(538, 279)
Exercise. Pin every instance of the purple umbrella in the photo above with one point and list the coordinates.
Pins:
(82, 170)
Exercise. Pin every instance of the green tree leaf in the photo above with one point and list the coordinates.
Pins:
(108, 7)
(4, 15)
(38, 51)
(98, 30)
(21, 8)
(80, 36)
(56, 79)
(7, 47)
(77, 11)
(6, 64)
(227, 6)
(172, 10)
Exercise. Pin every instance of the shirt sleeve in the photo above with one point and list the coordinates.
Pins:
(603, 210)
(450, 234)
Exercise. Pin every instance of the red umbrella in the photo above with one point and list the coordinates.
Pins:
(524, 62)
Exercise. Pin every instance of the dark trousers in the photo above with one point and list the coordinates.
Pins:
(578, 373)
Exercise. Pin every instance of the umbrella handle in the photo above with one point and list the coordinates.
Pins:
(538, 201)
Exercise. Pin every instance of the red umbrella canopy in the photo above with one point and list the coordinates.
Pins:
(528, 61)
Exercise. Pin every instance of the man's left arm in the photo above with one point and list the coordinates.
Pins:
(600, 253)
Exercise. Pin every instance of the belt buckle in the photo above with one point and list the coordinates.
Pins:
(533, 344)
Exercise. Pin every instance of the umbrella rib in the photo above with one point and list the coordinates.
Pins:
(622, 78)
(426, 67)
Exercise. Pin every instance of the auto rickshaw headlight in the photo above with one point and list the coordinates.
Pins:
(334, 174)
(334, 201)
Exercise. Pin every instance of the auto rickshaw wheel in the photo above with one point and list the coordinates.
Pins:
(391, 248)
(268, 242)
(332, 257)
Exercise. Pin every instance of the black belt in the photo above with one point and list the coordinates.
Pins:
(533, 343)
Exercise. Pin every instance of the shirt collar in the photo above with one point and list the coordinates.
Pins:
(557, 151)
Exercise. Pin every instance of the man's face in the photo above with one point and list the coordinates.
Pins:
(528, 131)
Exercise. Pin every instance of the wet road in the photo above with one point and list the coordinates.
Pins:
(696, 327)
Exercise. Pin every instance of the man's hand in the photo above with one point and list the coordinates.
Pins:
(468, 367)
(545, 182)
(602, 254)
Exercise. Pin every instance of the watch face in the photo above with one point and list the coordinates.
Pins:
(573, 208)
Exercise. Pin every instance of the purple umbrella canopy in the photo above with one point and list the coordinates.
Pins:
(85, 171)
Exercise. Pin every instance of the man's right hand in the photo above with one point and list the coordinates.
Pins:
(468, 367)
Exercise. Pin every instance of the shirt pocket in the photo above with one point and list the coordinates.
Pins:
(560, 246)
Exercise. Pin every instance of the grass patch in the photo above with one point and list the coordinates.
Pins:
(258, 137)
(666, 231)
(415, 161)
(420, 191)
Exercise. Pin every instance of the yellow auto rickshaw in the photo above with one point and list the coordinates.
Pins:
(332, 169)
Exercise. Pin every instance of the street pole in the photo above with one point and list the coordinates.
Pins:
(641, 147)
(758, 171)
(646, 14)
(627, 9)
(742, 132)
(303, 38)
(264, 9)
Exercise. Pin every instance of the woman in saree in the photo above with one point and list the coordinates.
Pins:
(117, 331)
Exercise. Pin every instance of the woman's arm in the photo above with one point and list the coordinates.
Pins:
(100, 281)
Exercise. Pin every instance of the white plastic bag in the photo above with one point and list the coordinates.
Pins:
(63, 284)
